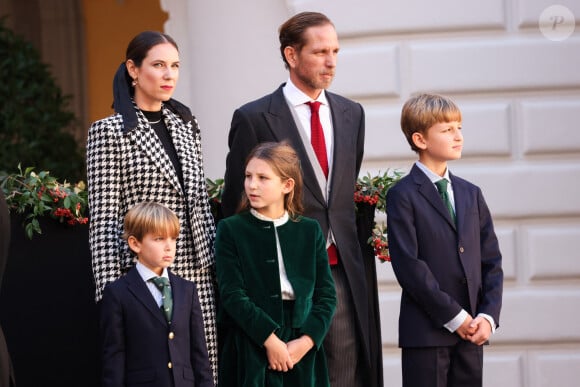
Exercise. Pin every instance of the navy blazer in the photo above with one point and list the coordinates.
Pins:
(441, 267)
(140, 348)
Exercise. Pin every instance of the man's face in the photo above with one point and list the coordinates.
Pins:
(313, 68)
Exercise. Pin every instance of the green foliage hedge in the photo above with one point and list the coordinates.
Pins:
(34, 115)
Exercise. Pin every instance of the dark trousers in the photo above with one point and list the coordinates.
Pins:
(342, 347)
(460, 365)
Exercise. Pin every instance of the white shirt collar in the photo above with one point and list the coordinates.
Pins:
(147, 273)
(277, 222)
(297, 97)
(432, 175)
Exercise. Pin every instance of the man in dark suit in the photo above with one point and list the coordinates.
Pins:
(6, 371)
(444, 252)
(329, 139)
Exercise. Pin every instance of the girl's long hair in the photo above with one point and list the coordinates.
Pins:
(285, 163)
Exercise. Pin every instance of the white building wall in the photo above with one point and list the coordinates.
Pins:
(520, 96)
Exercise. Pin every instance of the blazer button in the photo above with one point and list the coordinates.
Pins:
(171, 335)
(461, 249)
(169, 365)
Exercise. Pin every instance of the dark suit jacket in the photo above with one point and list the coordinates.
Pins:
(441, 267)
(138, 343)
(269, 119)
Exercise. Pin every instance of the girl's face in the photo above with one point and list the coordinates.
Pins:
(157, 76)
(154, 251)
(265, 189)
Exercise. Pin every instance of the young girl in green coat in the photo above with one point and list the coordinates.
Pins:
(277, 295)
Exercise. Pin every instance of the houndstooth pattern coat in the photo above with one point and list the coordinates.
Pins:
(126, 168)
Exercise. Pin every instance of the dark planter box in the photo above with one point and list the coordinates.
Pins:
(47, 307)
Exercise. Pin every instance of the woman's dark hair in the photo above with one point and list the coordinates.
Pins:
(141, 44)
(291, 33)
(123, 91)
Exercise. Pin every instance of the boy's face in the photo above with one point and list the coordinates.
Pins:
(442, 142)
(154, 251)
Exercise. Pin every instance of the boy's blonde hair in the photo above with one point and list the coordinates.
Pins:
(424, 110)
(150, 217)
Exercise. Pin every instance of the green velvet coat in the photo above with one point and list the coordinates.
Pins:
(250, 302)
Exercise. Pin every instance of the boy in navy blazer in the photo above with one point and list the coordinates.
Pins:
(153, 335)
(444, 253)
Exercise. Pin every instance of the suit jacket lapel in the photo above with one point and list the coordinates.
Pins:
(182, 140)
(341, 121)
(459, 193)
(178, 290)
(138, 288)
(429, 192)
(281, 124)
(144, 136)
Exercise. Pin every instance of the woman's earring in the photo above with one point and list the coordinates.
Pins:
(134, 83)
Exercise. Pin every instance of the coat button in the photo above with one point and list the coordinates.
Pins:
(461, 249)
(171, 335)
(169, 365)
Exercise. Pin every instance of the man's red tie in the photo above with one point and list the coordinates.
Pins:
(319, 146)
(317, 137)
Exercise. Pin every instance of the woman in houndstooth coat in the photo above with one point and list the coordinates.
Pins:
(150, 150)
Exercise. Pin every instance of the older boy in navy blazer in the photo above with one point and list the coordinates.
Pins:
(152, 336)
(444, 253)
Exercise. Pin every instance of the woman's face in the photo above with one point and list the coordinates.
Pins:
(156, 78)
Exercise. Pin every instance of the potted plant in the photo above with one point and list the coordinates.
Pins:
(48, 289)
(369, 197)
(33, 195)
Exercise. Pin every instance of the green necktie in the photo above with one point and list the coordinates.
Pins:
(442, 188)
(162, 284)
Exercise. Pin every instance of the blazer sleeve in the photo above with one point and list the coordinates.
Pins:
(113, 339)
(241, 140)
(250, 318)
(413, 274)
(490, 300)
(324, 297)
(104, 159)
